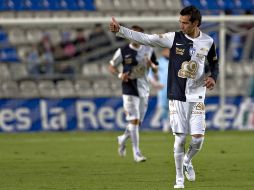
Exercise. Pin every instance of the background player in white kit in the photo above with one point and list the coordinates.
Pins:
(136, 60)
(187, 82)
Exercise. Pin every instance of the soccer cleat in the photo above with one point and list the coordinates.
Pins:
(139, 157)
(121, 147)
(179, 183)
(189, 172)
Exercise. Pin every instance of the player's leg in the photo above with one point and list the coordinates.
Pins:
(179, 124)
(134, 133)
(143, 104)
(194, 148)
(122, 142)
(124, 137)
(197, 131)
(179, 144)
(131, 107)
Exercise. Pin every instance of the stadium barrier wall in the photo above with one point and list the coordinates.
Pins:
(93, 114)
(85, 21)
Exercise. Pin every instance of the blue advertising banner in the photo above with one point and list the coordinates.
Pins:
(17, 115)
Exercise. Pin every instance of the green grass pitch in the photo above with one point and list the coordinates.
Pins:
(89, 161)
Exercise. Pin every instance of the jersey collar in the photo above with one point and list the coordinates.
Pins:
(132, 47)
(199, 37)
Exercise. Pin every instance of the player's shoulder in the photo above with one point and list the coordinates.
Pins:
(127, 46)
(207, 37)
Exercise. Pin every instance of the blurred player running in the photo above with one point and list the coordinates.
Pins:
(136, 60)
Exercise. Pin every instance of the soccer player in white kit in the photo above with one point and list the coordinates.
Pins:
(187, 83)
(136, 60)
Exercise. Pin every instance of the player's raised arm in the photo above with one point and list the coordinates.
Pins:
(154, 40)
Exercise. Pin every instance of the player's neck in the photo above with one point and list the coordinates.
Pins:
(195, 33)
(135, 45)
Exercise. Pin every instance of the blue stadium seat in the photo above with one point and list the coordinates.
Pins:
(50, 5)
(89, 4)
(213, 5)
(72, 5)
(80, 4)
(196, 3)
(26, 5)
(202, 4)
(246, 5)
(41, 5)
(3, 38)
(75, 5)
(220, 4)
(8, 5)
(9, 55)
(226, 4)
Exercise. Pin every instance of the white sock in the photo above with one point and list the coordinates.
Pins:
(124, 137)
(179, 144)
(134, 134)
(194, 148)
(179, 164)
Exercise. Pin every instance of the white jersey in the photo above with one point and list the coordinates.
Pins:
(134, 61)
(187, 61)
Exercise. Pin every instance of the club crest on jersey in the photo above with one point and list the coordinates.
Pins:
(192, 50)
(128, 60)
(180, 51)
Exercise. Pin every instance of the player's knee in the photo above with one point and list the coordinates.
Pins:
(197, 142)
(133, 124)
(197, 135)
(180, 140)
(135, 121)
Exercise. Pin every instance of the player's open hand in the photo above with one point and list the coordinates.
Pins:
(209, 83)
(148, 62)
(125, 77)
(114, 26)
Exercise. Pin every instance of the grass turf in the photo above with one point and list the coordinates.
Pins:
(89, 161)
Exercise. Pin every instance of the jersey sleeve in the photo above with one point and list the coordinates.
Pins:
(155, 40)
(117, 58)
(213, 62)
(154, 58)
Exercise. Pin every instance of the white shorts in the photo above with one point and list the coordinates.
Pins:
(135, 107)
(187, 117)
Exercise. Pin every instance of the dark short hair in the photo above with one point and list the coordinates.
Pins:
(137, 28)
(193, 12)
